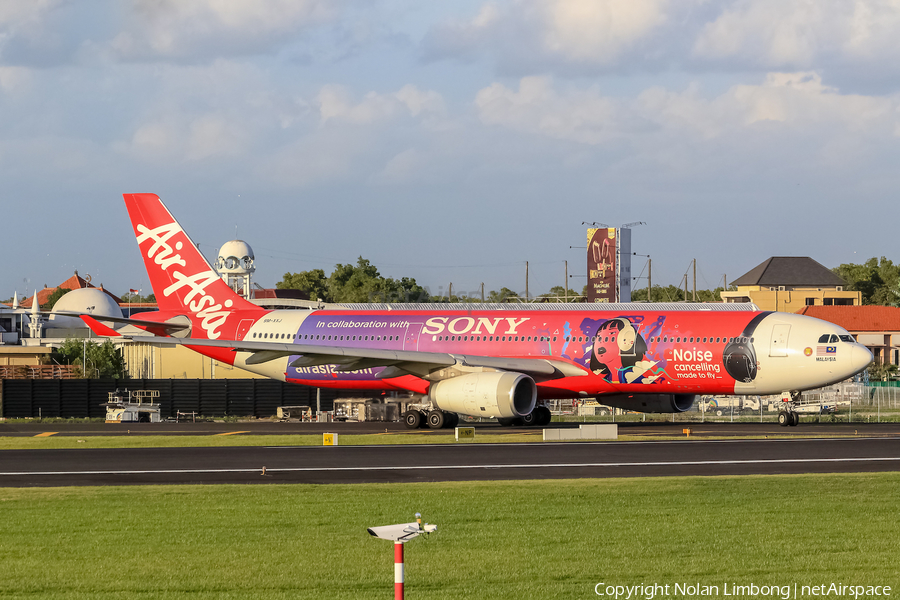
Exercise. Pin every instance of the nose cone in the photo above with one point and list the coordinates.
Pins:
(860, 358)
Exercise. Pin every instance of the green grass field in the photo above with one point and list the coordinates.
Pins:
(212, 440)
(516, 540)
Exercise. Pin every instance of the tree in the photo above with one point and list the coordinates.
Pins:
(882, 371)
(558, 294)
(94, 360)
(137, 298)
(312, 282)
(505, 295)
(54, 298)
(875, 279)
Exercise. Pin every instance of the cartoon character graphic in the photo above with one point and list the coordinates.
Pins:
(618, 353)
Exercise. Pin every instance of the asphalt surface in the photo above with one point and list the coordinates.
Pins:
(872, 448)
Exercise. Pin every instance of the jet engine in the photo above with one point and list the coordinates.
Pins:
(492, 394)
(650, 403)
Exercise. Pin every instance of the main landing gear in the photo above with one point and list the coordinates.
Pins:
(790, 417)
(434, 419)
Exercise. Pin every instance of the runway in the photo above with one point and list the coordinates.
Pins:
(445, 462)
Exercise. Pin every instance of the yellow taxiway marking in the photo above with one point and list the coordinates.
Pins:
(232, 432)
(47, 434)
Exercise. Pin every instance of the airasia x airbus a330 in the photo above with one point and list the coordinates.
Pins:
(497, 360)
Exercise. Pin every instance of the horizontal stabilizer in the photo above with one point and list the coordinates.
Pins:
(99, 328)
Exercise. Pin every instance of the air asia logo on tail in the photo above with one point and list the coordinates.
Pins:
(189, 289)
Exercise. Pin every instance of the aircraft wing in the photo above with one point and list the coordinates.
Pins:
(163, 326)
(397, 362)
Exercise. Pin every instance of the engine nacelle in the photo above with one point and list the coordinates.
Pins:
(490, 394)
(650, 403)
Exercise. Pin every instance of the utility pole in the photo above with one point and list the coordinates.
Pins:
(649, 279)
(566, 286)
(450, 293)
(526, 281)
(685, 288)
(695, 280)
(482, 292)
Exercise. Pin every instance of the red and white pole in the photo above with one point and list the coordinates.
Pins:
(398, 570)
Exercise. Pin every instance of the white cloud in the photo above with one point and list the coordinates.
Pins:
(178, 138)
(402, 167)
(778, 34)
(182, 28)
(858, 38)
(335, 103)
(582, 116)
(522, 32)
(797, 102)
(14, 78)
(14, 13)
(592, 31)
(773, 32)
(213, 135)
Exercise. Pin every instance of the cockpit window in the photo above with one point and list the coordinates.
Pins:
(847, 338)
(823, 339)
(833, 340)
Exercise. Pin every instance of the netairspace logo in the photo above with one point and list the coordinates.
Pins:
(784, 592)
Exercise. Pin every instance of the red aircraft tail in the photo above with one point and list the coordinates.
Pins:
(182, 279)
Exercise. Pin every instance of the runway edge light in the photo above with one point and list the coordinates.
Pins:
(400, 534)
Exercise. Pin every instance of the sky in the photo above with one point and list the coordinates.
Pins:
(449, 141)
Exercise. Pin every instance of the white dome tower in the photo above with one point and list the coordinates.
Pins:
(235, 265)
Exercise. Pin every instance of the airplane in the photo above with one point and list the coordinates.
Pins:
(501, 361)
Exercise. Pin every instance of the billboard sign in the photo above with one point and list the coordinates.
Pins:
(609, 265)
(601, 260)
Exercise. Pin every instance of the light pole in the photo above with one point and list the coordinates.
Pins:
(90, 310)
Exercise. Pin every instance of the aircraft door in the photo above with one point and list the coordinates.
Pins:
(780, 333)
(411, 339)
(243, 327)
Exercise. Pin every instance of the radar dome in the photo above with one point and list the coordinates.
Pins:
(83, 300)
(235, 256)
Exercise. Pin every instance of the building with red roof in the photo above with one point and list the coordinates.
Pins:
(75, 282)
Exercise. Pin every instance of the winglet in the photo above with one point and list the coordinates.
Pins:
(99, 328)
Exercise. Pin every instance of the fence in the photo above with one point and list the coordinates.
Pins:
(82, 398)
(850, 401)
(37, 372)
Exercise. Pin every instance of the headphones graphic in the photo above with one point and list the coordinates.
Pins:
(739, 356)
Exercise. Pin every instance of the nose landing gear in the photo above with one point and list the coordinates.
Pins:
(789, 417)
